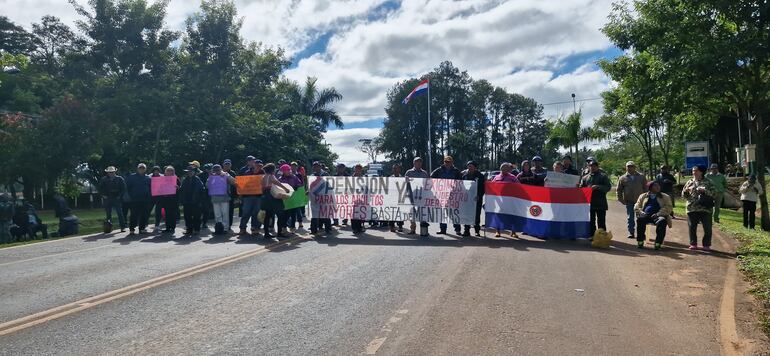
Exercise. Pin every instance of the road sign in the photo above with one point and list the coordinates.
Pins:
(696, 153)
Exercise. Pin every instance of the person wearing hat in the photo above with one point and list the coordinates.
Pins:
(568, 167)
(140, 197)
(220, 201)
(750, 191)
(699, 193)
(472, 173)
(526, 176)
(227, 167)
(112, 187)
(630, 186)
(191, 197)
(587, 166)
(357, 225)
(598, 181)
(251, 204)
(417, 172)
(653, 207)
(447, 171)
(667, 181)
(196, 167)
(155, 205)
(720, 183)
(538, 171)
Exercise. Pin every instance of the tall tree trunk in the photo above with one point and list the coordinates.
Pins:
(761, 141)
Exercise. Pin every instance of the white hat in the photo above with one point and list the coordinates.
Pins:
(630, 163)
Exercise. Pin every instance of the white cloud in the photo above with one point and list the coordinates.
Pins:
(345, 144)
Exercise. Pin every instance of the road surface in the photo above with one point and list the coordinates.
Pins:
(383, 293)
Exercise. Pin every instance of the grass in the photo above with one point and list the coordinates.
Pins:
(90, 223)
(753, 256)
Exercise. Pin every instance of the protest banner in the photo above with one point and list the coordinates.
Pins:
(163, 185)
(297, 200)
(249, 185)
(393, 199)
(561, 180)
(217, 185)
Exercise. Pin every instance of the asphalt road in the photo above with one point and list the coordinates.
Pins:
(381, 293)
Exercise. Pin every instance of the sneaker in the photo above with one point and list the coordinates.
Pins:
(122, 229)
(458, 232)
(392, 229)
(693, 247)
(242, 232)
(657, 246)
(706, 248)
(640, 244)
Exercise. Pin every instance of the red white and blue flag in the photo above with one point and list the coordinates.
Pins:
(556, 213)
(418, 90)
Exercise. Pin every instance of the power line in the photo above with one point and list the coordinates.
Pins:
(570, 101)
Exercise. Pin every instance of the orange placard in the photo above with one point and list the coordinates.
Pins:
(249, 185)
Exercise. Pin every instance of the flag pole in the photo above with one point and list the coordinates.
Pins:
(430, 149)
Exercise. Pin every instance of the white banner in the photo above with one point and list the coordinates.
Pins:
(561, 180)
(393, 199)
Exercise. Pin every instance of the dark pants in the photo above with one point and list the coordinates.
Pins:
(271, 216)
(206, 210)
(337, 222)
(443, 227)
(598, 220)
(476, 221)
(317, 224)
(192, 217)
(692, 221)
(232, 211)
(660, 228)
(117, 204)
(138, 214)
(293, 216)
(749, 213)
(171, 206)
(357, 225)
(396, 223)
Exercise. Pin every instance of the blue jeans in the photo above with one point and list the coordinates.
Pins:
(249, 210)
(631, 219)
(117, 204)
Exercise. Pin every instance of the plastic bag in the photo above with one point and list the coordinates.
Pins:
(602, 239)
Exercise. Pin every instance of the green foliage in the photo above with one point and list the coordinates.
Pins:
(67, 186)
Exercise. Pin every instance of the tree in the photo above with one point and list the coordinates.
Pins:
(53, 40)
(313, 102)
(13, 38)
(370, 148)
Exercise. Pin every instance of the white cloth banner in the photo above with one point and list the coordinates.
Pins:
(393, 199)
(561, 180)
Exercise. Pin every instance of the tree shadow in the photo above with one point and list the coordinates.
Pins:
(97, 237)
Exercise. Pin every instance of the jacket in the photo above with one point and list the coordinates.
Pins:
(630, 187)
(539, 176)
(719, 181)
(571, 170)
(112, 187)
(446, 173)
(480, 180)
(666, 207)
(191, 191)
(413, 173)
(750, 193)
(666, 181)
(527, 177)
(138, 187)
(690, 193)
(599, 196)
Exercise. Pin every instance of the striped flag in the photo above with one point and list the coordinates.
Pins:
(557, 213)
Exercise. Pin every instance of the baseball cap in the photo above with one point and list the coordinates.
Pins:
(195, 164)
(285, 168)
(630, 164)
(417, 159)
(316, 163)
(472, 162)
(227, 161)
(714, 165)
(250, 158)
(537, 158)
(111, 169)
(594, 163)
(590, 159)
(217, 167)
(258, 161)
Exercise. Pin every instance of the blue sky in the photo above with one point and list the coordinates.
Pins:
(543, 49)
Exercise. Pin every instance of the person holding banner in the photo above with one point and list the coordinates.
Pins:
(155, 205)
(251, 201)
(393, 224)
(316, 224)
(417, 172)
(472, 173)
(170, 203)
(272, 206)
(653, 207)
(505, 176)
(447, 171)
(568, 167)
(218, 186)
(191, 197)
(289, 217)
(600, 183)
(227, 168)
(538, 171)
(356, 224)
(526, 176)
(558, 167)
(140, 195)
(341, 172)
(299, 170)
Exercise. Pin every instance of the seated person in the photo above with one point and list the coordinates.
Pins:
(68, 223)
(26, 222)
(653, 207)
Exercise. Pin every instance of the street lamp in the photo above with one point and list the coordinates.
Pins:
(574, 104)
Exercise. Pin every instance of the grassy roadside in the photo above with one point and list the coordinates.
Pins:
(753, 256)
(90, 223)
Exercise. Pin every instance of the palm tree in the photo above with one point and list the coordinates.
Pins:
(568, 133)
(315, 103)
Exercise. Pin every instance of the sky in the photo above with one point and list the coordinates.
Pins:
(546, 50)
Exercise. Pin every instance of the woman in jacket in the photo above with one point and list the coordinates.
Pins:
(191, 197)
(653, 207)
(505, 176)
(272, 206)
(526, 176)
(218, 187)
(289, 216)
(699, 193)
(750, 191)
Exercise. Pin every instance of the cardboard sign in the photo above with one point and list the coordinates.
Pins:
(217, 185)
(163, 185)
(561, 180)
(249, 185)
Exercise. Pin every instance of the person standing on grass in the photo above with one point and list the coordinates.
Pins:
(699, 193)
(417, 172)
(447, 171)
(220, 202)
(598, 181)
(630, 186)
(653, 207)
(750, 191)
(112, 187)
(140, 195)
(191, 197)
(505, 176)
(720, 184)
(170, 203)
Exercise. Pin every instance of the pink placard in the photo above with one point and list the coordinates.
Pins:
(217, 185)
(163, 185)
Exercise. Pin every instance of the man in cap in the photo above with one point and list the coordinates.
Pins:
(587, 167)
(566, 162)
(630, 186)
(598, 181)
(112, 187)
(472, 173)
(417, 172)
(250, 203)
(196, 166)
(447, 171)
(720, 184)
(140, 197)
(539, 171)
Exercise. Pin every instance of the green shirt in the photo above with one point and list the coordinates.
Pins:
(720, 183)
